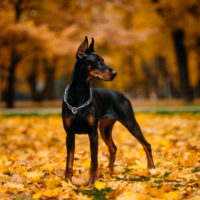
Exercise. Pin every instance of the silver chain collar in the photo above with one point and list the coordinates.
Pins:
(75, 109)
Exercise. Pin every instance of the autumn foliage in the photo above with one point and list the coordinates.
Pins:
(33, 158)
(154, 45)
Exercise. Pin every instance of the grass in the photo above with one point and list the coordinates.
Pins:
(97, 194)
(44, 115)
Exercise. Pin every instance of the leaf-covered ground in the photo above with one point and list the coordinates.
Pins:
(33, 155)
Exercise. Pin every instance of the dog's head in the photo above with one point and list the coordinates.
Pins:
(96, 67)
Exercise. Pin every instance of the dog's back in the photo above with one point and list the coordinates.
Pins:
(114, 105)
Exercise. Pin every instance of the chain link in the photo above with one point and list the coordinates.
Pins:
(75, 109)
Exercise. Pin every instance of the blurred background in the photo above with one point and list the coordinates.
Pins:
(154, 45)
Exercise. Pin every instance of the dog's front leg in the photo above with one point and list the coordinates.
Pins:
(70, 145)
(94, 157)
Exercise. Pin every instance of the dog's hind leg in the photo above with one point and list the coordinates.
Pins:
(136, 131)
(126, 116)
(105, 127)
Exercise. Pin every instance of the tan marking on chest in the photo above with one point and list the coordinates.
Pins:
(89, 67)
(90, 120)
(68, 121)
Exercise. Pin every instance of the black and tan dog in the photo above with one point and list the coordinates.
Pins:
(85, 108)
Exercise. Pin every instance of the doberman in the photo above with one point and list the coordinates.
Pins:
(84, 108)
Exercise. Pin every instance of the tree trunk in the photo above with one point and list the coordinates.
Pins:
(49, 90)
(10, 96)
(151, 78)
(128, 61)
(18, 10)
(181, 55)
(32, 81)
(14, 59)
(1, 81)
(197, 88)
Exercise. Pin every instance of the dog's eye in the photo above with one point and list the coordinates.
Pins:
(99, 59)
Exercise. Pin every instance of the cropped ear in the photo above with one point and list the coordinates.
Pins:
(91, 47)
(82, 48)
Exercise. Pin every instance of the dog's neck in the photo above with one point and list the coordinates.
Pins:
(79, 88)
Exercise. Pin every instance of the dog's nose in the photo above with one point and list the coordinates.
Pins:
(114, 73)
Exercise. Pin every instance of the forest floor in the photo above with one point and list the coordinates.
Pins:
(33, 157)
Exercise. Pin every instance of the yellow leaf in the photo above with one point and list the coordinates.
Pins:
(172, 195)
(52, 182)
(52, 193)
(65, 184)
(68, 184)
(34, 176)
(36, 195)
(128, 195)
(15, 186)
(86, 164)
(48, 167)
(190, 158)
(99, 185)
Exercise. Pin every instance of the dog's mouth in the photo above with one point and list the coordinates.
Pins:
(106, 75)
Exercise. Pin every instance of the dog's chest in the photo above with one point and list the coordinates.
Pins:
(79, 123)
